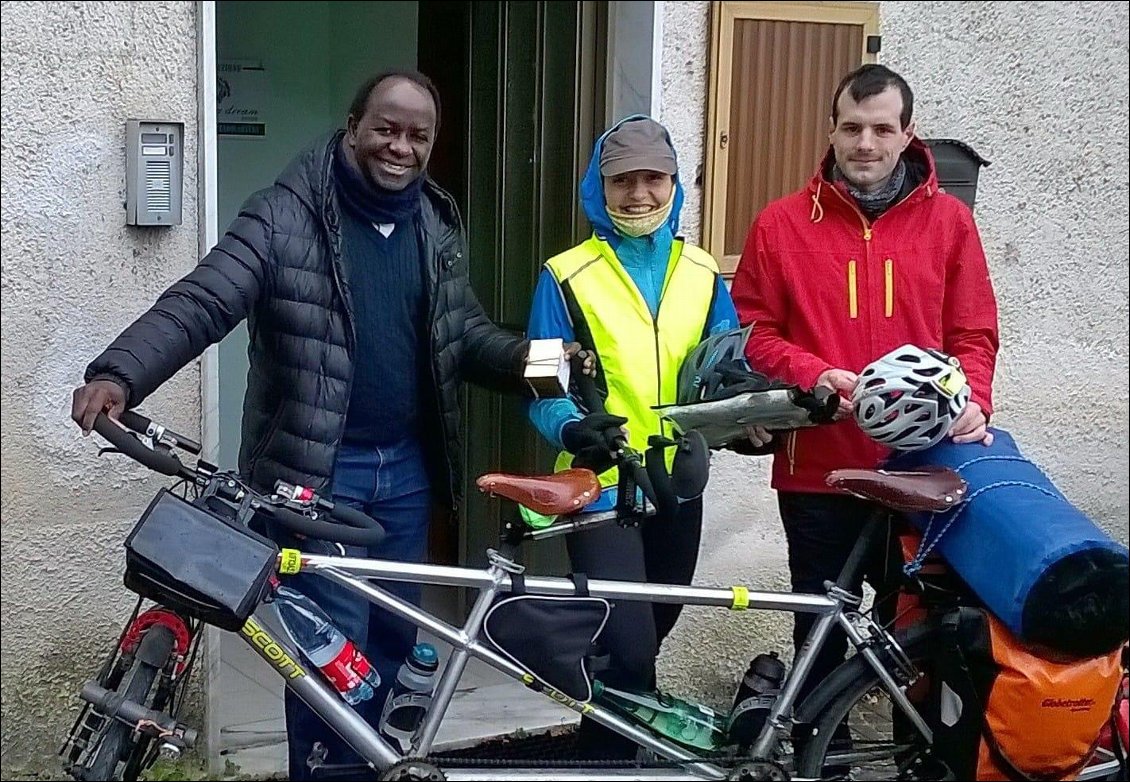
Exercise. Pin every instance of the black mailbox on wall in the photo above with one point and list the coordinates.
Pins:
(958, 165)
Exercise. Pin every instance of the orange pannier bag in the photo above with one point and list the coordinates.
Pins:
(1001, 709)
(1043, 717)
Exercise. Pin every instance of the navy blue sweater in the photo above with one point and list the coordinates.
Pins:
(387, 285)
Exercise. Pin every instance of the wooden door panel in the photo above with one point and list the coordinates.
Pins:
(774, 67)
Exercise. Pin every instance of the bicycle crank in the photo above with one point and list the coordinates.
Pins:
(758, 771)
(415, 770)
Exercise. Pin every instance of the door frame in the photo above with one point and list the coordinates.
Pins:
(723, 16)
(207, 226)
(590, 61)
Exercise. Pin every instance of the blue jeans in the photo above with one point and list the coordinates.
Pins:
(390, 484)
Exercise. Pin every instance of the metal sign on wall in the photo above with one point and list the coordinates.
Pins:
(241, 97)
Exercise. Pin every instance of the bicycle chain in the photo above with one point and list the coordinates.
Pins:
(568, 763)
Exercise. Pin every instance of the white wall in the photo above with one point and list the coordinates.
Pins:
(73, 276)
(1043, 95)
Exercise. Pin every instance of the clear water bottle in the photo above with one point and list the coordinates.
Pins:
(756, 695)
(325, 646)
(410, 697)
(686, 723)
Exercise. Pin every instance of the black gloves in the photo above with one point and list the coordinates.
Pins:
(593, 440)
(596, 430)
(729, 378)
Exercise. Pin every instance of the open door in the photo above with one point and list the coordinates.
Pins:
(523, 87)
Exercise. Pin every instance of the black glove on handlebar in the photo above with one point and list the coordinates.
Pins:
(593, 439)
(596, 430)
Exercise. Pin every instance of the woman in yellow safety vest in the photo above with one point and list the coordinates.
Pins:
(642, 299)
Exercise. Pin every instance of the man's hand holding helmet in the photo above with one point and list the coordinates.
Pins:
(911, 399)
(842, 382)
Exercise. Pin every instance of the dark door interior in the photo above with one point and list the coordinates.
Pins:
(522, 85)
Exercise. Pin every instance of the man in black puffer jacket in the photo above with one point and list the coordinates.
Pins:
(352, 273)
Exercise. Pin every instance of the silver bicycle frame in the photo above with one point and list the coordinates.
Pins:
(266, 636)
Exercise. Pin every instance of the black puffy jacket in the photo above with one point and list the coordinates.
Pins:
(279, 265)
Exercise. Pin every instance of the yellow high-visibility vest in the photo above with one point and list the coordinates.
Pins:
(640, 356)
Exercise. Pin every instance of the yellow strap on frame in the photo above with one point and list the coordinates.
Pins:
(290, 561)
(741, 599)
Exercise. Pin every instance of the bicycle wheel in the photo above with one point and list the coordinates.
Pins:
(135, 686)
(858, 732)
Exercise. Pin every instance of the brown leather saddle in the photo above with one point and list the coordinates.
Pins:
(927, 489)
(552, 495)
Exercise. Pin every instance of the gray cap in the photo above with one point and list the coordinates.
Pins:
(637, 145)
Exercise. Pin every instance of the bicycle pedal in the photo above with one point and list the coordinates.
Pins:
(343, 771)
(320, 769)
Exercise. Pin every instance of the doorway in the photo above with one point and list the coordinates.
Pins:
(522, 86)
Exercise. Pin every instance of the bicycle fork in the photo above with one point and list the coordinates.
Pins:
(865, 636)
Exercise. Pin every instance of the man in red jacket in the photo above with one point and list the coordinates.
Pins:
(871, 255)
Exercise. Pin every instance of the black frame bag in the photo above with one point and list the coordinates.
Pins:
(549, 636)
(194, 561)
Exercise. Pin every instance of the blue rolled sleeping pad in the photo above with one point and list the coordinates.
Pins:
(1044, 569)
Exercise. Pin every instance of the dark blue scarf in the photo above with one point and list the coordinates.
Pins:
(370, 201)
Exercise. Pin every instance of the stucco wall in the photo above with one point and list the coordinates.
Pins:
(1043, 95)
(73, 276)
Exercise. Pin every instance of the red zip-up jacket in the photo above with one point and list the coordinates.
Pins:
(825, 288)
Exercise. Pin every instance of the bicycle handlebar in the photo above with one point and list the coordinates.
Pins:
(355, 528)
(139, 423)
(626, 457)
(163, 462)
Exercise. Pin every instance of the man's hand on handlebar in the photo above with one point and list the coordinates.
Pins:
(97, 396)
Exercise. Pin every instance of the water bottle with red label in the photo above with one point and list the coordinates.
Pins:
(325, 646)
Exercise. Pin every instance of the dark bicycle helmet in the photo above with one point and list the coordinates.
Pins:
(717, 369)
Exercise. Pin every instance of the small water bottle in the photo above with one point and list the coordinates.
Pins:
(410, 697)
(325, 646)
(756, 695)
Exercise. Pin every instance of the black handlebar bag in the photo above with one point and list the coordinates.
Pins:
(197, 562)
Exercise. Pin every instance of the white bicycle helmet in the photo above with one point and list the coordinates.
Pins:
(909, 398)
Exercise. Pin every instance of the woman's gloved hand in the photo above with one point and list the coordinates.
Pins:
(758, 442)
(594, 440)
